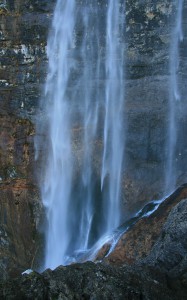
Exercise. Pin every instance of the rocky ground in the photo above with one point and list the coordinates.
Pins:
(95, 281)
(149, 262)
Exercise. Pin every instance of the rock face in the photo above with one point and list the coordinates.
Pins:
(24, 27)
(149, 40)
(19, 204)
(90, 281)
(137, 243)
(170, 251)
(23, 30)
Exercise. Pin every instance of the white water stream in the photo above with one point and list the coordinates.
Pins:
(77, 218)
(174, 101)
(85, 93)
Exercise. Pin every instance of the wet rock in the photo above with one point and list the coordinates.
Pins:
(138, 241)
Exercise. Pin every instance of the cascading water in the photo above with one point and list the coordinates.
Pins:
(174, 101)
(57, 186)
(85, 85)
(114, 106)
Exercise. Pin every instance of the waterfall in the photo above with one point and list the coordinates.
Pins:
(114, 106)
(85, 86)
(58, 178)
(174, 100)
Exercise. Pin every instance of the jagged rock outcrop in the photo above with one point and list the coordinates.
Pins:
(93, 281)
(138, 242)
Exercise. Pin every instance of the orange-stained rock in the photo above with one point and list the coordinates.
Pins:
(103, 252)
(137, 242)
(20, 207)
